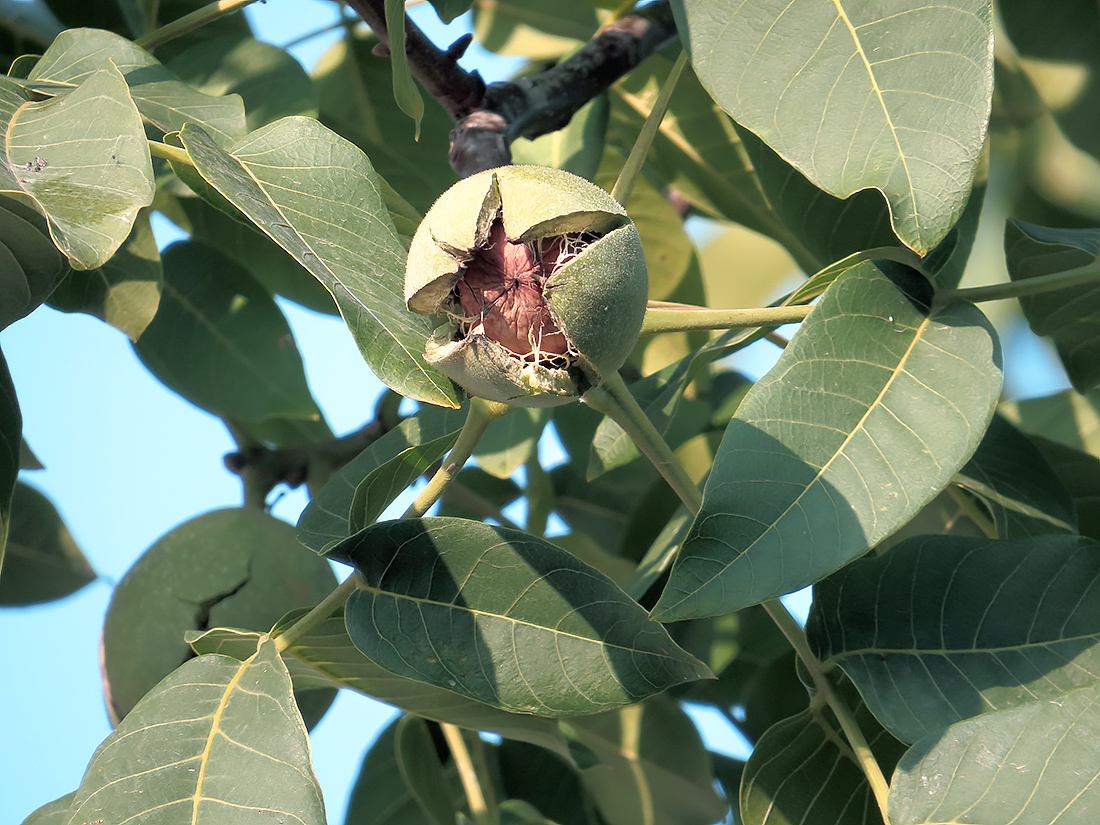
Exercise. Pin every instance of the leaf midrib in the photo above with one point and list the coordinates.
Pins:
(859, 427)
(215, 725)
(525, 623)
(843, 15)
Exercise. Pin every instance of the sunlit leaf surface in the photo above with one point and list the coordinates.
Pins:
(217, 741)
(317, 196)
(858, 95)
(940, 629)
(84, 159)
(326, 657)
(871, 410)
(1037, 763)
(162, 98)
(125, 291)
(505, 618)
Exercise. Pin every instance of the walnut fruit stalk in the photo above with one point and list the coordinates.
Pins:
(542, 281)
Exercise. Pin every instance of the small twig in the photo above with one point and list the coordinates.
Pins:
(262, 468)
(458, 90)
(490, 117)
(777, 339)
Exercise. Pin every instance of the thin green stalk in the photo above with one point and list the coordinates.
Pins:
(172, 153)
(1019, 289)
(867, 762)
(318, 614)
(190, 22)
(342, 23)
(614, 400)
(684, 318)
(477, 419)
(633, 166)
(479, 794)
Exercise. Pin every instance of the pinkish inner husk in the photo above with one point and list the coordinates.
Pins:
(502, 295)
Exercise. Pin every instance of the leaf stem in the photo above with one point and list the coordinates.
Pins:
(190, 22)
(172, 153)
(478, 793)
(624, 185)
(682, 318)
(477, 419)
(1018, 289)
(867, 762)
(319, 613)
(614, 400)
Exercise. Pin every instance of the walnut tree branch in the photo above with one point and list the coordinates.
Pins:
(489, 118)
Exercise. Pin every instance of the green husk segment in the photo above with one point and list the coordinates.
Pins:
(487, 370)
(599, 299)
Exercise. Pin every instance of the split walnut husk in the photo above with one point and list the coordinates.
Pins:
(542, 281)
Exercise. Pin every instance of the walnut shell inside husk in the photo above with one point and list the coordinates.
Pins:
(541, 277)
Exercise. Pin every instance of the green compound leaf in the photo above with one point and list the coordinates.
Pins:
(160, 96)
(216, 736)
(220, 340)
(874, 406)
(505, 618)
(84, 159)
(317, 196)
(326, 657)
(356, 496)
(941, 628)
(1071, 316)
(1037, 763)
(857, 95)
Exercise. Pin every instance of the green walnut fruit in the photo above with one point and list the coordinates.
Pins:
(541, 277)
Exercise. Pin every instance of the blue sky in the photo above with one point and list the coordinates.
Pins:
(127, 460)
